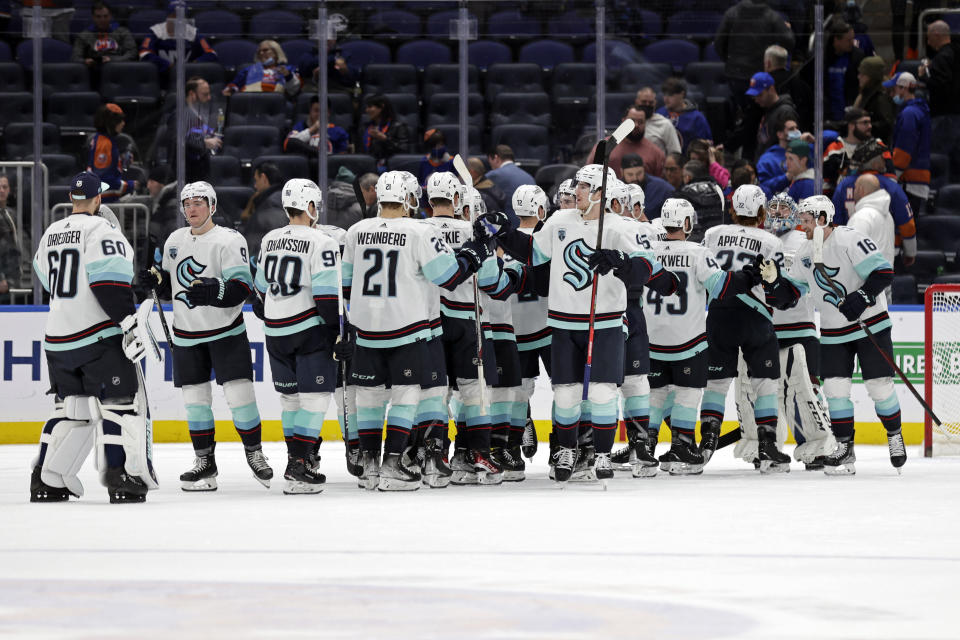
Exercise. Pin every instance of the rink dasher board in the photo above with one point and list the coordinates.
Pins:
(24, 384)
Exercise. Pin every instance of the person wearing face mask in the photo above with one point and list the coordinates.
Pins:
(799, 171)
(437, 157)
(772, 167)
(658, 130)
(636, 142)
(268, 73)
(911, 139)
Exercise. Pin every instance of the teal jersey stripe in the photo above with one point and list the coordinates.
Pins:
(870, 264)
(672, 357)
(538, 257)
(260, 282)
(714, 284)
(294, 328)
(858, 334)
(536, 344)
(802, 286)
(113, 268)
(754, 304)
(441, 268)
(423, 334)
(189, 342)
(238, 273)
(346, 273)
(797, 333)
(585, 326)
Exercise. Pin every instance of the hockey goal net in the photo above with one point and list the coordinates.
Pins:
(942, 377)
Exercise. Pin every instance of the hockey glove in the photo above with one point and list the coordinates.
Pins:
(474, 252)
(753, 271)
(345, 345)
(206, 291)
(855, 304)
(258, 309)
(769, 271)
(606, 260)
(493, 224)
(133, 346)
(155, 278)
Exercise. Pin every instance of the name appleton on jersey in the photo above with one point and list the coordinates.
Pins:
(674, 261)
(739, 241)
(64, 237)
(289, 244)
(382, 237)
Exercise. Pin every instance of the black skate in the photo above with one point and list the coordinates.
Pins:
(602, 469)
(436, 471)
(40, 491)
(412, 459)
(642, 462)
(123, 488)
(511, 463)
(583, 469)
(622, 458)
(302, 478)
(709, 437)
(528, 443)
(683, 459)
(396, 477)
(552, 460)
(563, 462)
(485, 466)
(203, 475)
(841, 461)
(258, 464)
(898, 453)
(772, 460)
(353, 455)
(369, 477)
(463, 471)
(313, 458)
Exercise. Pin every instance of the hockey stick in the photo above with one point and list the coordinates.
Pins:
(626, 127)
(464, 174)
(839, 292)
(163, 318)
(341, 310)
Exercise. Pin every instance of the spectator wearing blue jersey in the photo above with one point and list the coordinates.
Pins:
(911, 139)
(690, 123)
(304, 136)
(437, 158)
(799, 171)
(269, 73)
(160, 46)
(772, 165)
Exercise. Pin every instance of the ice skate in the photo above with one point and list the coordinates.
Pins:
(123, 487)
(709, 437)
(683, 459)
(841, 461)
(258, 464)
(436, 471)
(396, 477)
(602, 469)
(511, 463)
(313, 459)
(623, 458)
(583, 469)
(529, 443)
(486, 468)
(642, 462)
(302, 478)
(203, 475)
(353, 455)
(898, 453)
(370, 475)
(772, 460)
(552, 460)
(463, 471)
(563, 462)
(40, 491)
(412, 459)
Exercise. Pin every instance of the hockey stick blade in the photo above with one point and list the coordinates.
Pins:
(729, 438)
(626, 128)
(461, 168)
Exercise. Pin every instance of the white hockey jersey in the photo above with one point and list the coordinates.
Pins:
(298, 267)
(459, 302)
(849, 257)
(218, 253)
(75, 255)
(677, 323)
(529, 312)
(735, 246)
(797, 321)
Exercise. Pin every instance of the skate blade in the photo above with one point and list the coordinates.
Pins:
(265, 483)
(769, 466)
(490, 478)
(298, 487)
(464, 477)
(841, 470)
(127, 498)
(514, 476)
(684, 469)
(603, 484)
(640, 471)
(528, 453)
(395, 484)
(584, 476)
(666, 466)
(436, 481)
(207, 484)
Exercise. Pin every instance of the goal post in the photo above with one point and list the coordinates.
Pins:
(942, 369)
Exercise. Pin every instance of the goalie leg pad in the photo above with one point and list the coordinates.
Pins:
(243, 408)
(65, 444)
(123, 426)
(805, 407)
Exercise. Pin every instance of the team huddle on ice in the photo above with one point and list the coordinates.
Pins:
(408, 323)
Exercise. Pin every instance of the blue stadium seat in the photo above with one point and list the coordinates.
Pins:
(130, 82)
(61, 167)
(438, 23)
(290, 165)
(675, 52)
(513, 77)
(11, 77)
(247, 142)
(444, 108)
(219, 24)
(570, 25)
(18, 139)
(484, 53)
(549, 176)
(699, 25)
(51, 50)
(574, 82)
(231, 202)
(618, 54)
(615, 108)
(707, 78)
(520, 108)
(513, 25)
(911, 66)
(272, 25)
(406, 161)
(407, 108)
(257, 108)
(73, 112)
(904, 289)
(212, 72)
(395, 23)
(389, 78)
(140, 22)
(234, 54)
(948, 200)
(530, 142)
(645, 74)
(225, 171)
(939, 170)
(297, 48)
(60, 77)
(546, 53)
(940, 232)
(451, 132)
(444, 78)
(340, 112)
(5, 53)
(360, 53)
(710, 53)
(16, 106)
(651, 24)
(421, 53)
(929, 264)
(358, 163)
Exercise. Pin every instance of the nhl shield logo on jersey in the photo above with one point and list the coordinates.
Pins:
(173, 253)
(806, 262)
(407, 373)
(115, 380)
(561, 233)
(320, 379)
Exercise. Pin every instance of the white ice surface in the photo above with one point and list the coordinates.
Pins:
(730, 554)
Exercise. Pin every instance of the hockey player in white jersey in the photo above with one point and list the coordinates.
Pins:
(567, 241)
(205, 271)
(566, 196)
(847, 292)
(93, 337)
(678, 338)
(299, 280)
(387, 263)
(743, 323)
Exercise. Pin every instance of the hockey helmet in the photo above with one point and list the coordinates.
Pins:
(781, 214)
(443, 185)
(592, 174)
(414, 191)
(298, 193)
(528, 200)
(473, 199)
(564, 190)
(391, 188)
(617, 190)
(675, 214)
(637, 197)
(817, 206)
(747, 200)
(199, 190)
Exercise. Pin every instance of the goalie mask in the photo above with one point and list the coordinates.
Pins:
(199, 190)
(299, 193)
(678, 213)
(817, 206)
(529, 200)
(747, 201)
(781, 214)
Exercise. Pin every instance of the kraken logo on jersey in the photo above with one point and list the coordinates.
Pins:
(832, 288)
(188, 271)
(575, 257)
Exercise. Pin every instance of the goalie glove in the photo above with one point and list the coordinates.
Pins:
(206, 291)
(855, 304)
(769, 271)
(133, 346)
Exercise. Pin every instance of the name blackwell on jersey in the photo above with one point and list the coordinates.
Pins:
(382, 237)
(739, 241)
(673, 261)
(288, 244)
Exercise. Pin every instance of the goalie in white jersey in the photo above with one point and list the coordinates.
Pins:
(92, 340)
(299, 279)
(205, 271)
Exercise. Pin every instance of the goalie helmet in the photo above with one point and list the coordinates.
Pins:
(592, 174)
(676, 212)
(747, 200)
(414, 191)
(299, 193)
(391, 188)
(528, 200)
(199, 190)
(564, 190)
(817, 206)
(781, 214)
(617, 191)
(637, 198)
(473, 199)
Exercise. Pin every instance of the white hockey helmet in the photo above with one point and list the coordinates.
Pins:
(298, 193)
(781, 214)
(817, 206)
(199, 190)
(473, 199)
(747, 200)
(443, 185)
(592, 174)
(617, 190)
(528, 200)
(565, 189)
(391, 188)
(637, 198)
(675, 214)
(414, 191)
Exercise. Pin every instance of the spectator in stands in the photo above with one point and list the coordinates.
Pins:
(506, 174)
(493, 196)
(264, 211)
(342, 208)
(799, 171)
(673, 169)
(637, 143)
(690, 123)
(871, 214)
(437, 157)
(747, 29)
(655, 190)
(202, 140)
(268, 73)
(775, 60)
(841, 62)
(164, 205)
(9, 244)
(658, 129)
(160, 47)
(384, 134)
(942, 73)
(339, 75)
(873, 99)
(703, 151)
(704, 194)
(838, 154)
(757, 131)
(911, 139)
(304, 137)
(772, 165)
(105, 158)
(366, 187)
(102, 41)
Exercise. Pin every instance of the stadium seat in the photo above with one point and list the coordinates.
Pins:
(710, 53)
(444, 108)
(530, 142)
(438, 22)
(406, 161)
(407, 108)
(674, 52)
(357, 163)
(73, 112)
(52, 51)
(570, 25)
(651, 24)
(257, 108)
(939, 170)
(948, 201)
(546, 53)
(698, 25)
(16, 106)
(421, 53)
(513, 25)
(939, 232)
(61, 167)
(291, 165)
(5, 54)
(911, 66)
(234, 54)
(340, 112)
(219, 24)
(952, 278)
(250, 141)
(272, 25)
(574, 82)
(11, 77)
(225, 171)
(615, 108)
(484, 53)
(451, 132)
(395, 24)
(60, 77)
(708, 76)
(231, 202)
(520, 108)
(140, 22)
(58, 195)
(130, 82)
(389, 78)
(360, 53)
(904, 289)
(929, 264)
(549, 176)
(514, 78)
(444, 78)
(645, 74)
(18, 139)
(296, 49)
(618, 55)
(212, 72)
(719, 113)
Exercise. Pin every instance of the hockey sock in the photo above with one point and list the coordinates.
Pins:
(399, 423)
(841, 417)
(765, 406)
(518, 420)
(885, 402)
(246, 419)
(604, 418)
(369, 422)
(566, 408)
(713, 404)
(200, 423)
(500, 418)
